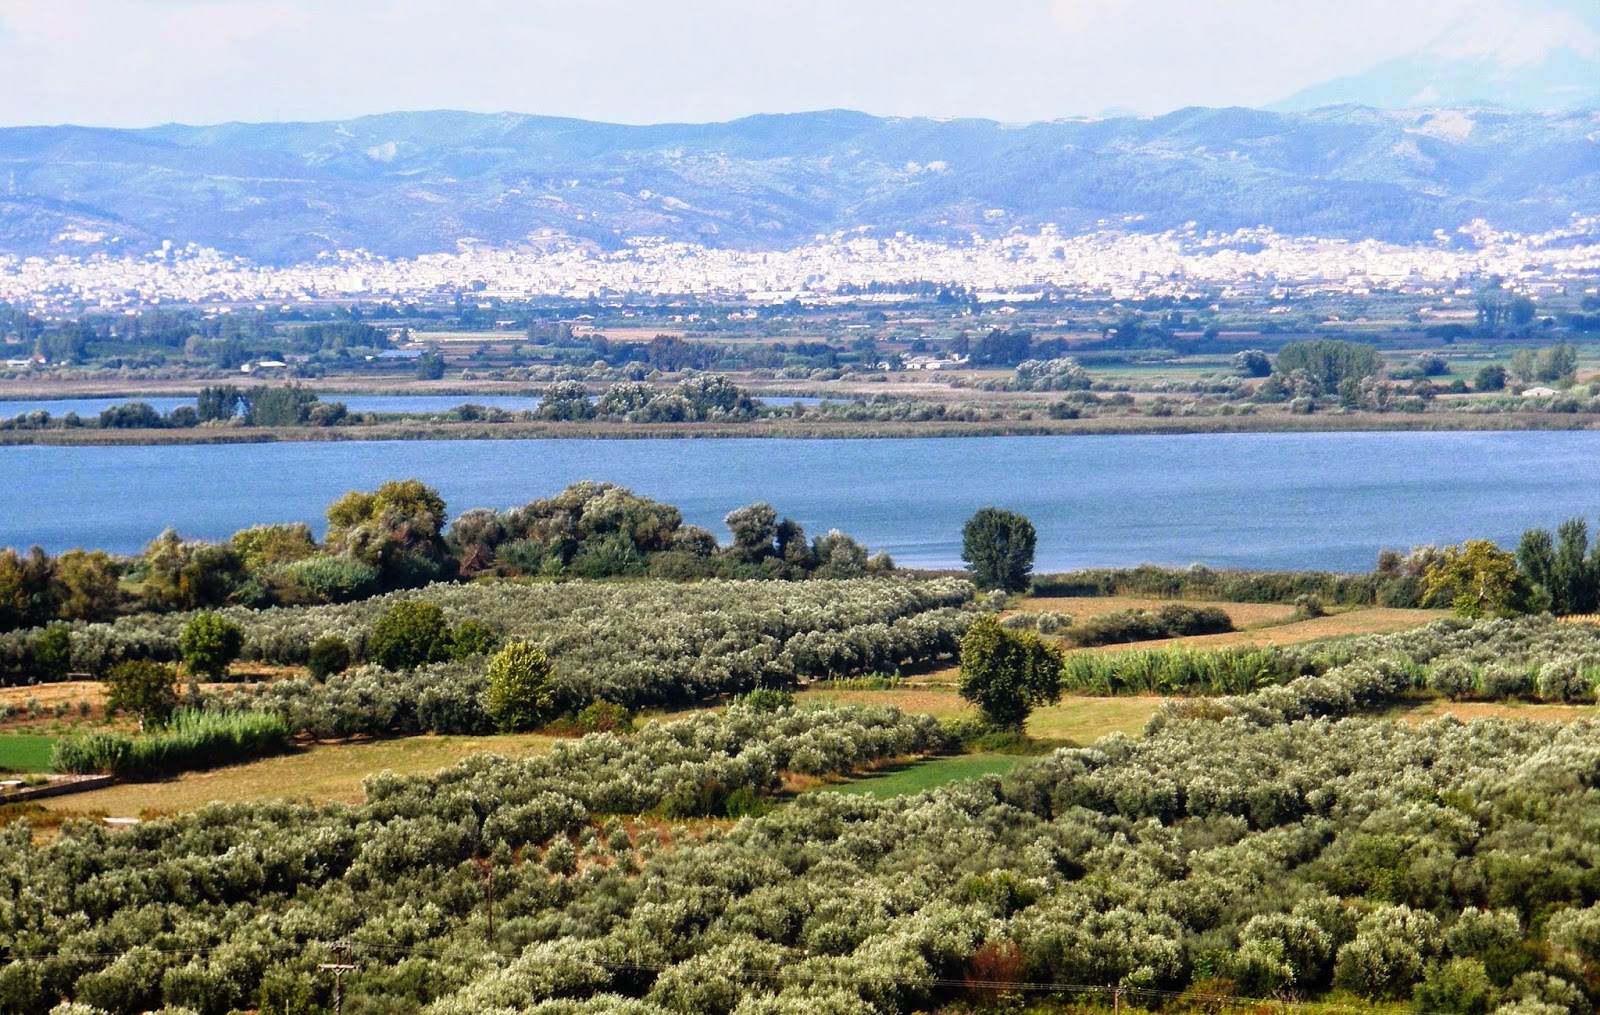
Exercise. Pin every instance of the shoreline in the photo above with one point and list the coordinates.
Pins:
(802, 429)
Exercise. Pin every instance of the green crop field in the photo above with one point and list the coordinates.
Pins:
(25, 752)
(917, 776)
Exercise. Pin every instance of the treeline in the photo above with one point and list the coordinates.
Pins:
(701, 398)
(263, 405)
(597, 530)
(396, 538)
(1396, 583)
(698, 399)
(1176, 620)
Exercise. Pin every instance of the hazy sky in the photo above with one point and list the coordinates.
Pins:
(140, 62)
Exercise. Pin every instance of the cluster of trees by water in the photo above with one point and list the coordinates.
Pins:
(397, 537)
(698, 398)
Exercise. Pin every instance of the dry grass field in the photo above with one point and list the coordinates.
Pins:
(326, 772)
(1079, 719)
(1467, 711)
(1367, 620)
(1082, 608)
(68, 692)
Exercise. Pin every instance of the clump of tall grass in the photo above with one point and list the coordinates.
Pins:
(877, 682)
(1178, 671)
(190, 741)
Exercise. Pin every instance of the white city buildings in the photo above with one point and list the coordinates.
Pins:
(1249, 264)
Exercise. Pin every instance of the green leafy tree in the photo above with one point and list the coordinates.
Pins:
(397, 530)
(1536, 557)
(209, 644)
(998, 548)
(278, 406)
(1252, 363)
(184, 574)
(89, 585)
(1490, 378)
(1461, 986)
(754, 530)
(520, 695)
(144, 688)
(52, 652)
(219, 402)
(27, 589)
(472, 638)
(430, 366)
(412, 633)
(1007, 673)
(1574, 574)
(1330, 362)
(1556, 364)
(567, 401)
(266, 546)
(1478, 579)
(329, 655)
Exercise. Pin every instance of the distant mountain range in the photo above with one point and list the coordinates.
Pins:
(1536, 54)
(412, 183)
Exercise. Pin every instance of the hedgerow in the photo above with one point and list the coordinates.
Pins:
(1380, 588)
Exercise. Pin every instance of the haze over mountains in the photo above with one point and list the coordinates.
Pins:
(413, 183)
(1543, 55)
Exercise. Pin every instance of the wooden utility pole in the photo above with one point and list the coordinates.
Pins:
(338, 969)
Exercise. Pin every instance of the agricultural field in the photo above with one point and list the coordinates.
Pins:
(25, 752)
(317, 774)
(845, 852)
(919, 776)
(1187, 859)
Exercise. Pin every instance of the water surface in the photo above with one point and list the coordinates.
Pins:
(1322, 500)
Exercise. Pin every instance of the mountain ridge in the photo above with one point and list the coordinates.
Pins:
(409, 183)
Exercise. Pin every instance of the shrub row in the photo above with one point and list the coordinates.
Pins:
(1172, 621)
(1200, 582)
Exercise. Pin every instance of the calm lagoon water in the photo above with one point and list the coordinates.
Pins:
(1238, 500)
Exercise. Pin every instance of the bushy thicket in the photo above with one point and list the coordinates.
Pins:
(1450, 865)
(599, 530)
(1391, 587)
(1173, 621)
(190, 740)
(394, 538)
